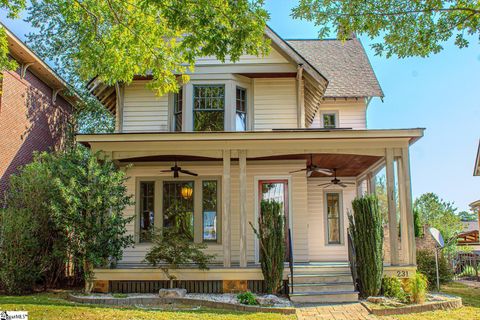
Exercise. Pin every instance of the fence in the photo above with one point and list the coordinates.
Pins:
(466, 266)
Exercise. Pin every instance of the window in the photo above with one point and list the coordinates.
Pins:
(241, 110)
(209, 210)
(177, 109)
(329, 120)
(178, 206)
(147, 212)
(332, 200)
(208, 107)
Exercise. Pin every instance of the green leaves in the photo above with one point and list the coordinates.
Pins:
(117, 39)
(408, 28)
(366, 229)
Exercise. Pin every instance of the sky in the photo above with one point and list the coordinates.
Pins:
(439, 93)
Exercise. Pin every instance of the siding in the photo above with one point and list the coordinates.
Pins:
(264, 169)
(275, 103)
(352, 114)
(143, 111)
(317, 249)
(273, 57)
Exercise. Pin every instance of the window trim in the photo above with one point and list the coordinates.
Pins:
(341, 217)
(197, 209)
(329, 112)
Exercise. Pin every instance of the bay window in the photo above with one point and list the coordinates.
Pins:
(177, 110)
(208, 107)
(241, 109)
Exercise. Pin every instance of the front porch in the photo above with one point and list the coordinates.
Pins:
(240, 162)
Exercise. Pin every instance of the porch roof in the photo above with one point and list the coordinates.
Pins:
(412, 135)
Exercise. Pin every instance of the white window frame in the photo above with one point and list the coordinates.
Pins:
(329, 112)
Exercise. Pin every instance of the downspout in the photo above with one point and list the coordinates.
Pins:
(300, 99)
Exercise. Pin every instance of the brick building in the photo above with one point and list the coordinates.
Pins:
(35, 108)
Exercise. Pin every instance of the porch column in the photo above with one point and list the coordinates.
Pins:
(226, 232)
(405, 241)
(242, 161)
(392, 214)
(408, 205)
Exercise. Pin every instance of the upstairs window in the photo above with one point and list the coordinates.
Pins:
(241, 110)
(177, 109)
(329, 120)
(208, 107)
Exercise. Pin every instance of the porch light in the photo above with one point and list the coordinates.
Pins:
(187, 192)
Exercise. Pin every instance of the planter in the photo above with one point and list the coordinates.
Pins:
(448, 303)
(151, 300)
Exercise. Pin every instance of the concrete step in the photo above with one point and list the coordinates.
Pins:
(322, 287)
(325, 297)
(321, 278)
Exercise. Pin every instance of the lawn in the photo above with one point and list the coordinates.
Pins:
(470, 311)
(53, 306)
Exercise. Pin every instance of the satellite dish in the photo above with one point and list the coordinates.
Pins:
(437, 236)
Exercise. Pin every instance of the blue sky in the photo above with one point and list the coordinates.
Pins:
(439, 93)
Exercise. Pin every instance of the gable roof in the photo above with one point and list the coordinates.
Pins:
(25, 56)
(344, 63)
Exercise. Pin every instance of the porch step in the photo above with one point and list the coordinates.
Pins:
(321, 278)
(322, 283)
(322, 287)
(325, 297)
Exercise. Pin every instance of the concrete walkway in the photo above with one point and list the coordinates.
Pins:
(351, 311)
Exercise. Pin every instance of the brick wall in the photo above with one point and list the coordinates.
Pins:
(29, 122)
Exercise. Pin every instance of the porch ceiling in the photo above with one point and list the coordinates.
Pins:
(347, 165)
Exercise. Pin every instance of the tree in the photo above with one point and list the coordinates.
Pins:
(174, 245)
(468, 216)
(366, 229)
(91, 199)
(271, 237)
(116, 40)
(439, 214)
(407, 28)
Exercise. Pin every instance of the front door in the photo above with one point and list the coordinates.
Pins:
(276, 190)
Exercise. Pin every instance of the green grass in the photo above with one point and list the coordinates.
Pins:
(471, 301)
(53, 306)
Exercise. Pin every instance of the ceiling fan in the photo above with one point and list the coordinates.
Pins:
(336, 182)
(176, 170)
(310, 168)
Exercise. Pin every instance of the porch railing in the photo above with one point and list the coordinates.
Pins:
(352, 258)
(290, 259)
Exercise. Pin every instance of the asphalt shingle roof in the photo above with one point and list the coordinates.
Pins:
(344, 64)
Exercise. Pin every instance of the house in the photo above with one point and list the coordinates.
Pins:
(34, 110)
(291, 127)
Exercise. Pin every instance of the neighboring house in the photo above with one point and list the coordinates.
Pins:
(34, 110)
(246, 129)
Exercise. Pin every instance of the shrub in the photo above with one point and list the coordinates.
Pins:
(392, 288)
(416, 288)
(247, 298)
(426, 265)
(271, 238)
(366, 229)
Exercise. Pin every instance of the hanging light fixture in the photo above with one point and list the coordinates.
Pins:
(187, 192)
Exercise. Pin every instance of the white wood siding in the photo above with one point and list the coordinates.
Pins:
(273, 57)
(352, 114)
(143, 110)
(275, 103)
(272, 169)
(318, 250)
